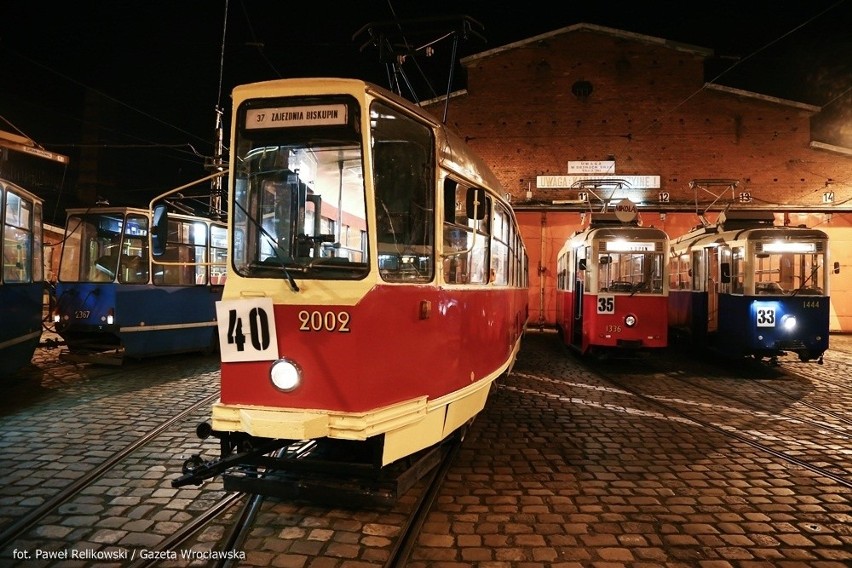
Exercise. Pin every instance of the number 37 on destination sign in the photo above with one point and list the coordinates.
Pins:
(247, 330)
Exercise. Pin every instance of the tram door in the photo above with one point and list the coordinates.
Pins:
(579, 289)
(712, 265)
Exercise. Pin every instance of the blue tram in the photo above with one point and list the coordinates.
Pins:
(21, 281)
(115, 300)
(748, 288)
(612, 287)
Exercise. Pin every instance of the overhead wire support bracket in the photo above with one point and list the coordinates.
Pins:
(592, 184)
(704, 185)
(399, 41)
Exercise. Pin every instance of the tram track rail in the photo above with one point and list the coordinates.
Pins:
(838, 363)
(404, 545)
(31, 519)
(815, 407)
(843, 478)
(803, 420)
(752, 375)
(93, 391)
(198, 523)
(239, 528)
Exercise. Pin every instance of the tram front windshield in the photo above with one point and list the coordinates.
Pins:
(631, 272)
(105, 247)
(786, 269)
(299, 198)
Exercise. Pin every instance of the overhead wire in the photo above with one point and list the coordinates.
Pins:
(108, 97)
(222, 58)
(258, 44)
(21, 132)
(407, 45)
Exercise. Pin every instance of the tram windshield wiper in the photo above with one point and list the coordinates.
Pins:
(636, 287)
(279, 253)
(804, 285)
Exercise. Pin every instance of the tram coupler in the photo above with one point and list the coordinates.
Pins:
(196, 470)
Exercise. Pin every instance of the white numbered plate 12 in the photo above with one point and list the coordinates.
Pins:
(247, 330)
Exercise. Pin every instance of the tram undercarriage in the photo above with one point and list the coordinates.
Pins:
(324, 471)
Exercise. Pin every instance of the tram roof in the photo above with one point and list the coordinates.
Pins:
(6, 185)
(453, 152)
(735, 225)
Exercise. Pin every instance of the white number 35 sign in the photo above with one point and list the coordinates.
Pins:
(247, 330)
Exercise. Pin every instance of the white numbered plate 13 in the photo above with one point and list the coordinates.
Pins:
(247, 330)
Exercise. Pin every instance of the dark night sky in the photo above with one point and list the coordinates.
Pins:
(158, 63)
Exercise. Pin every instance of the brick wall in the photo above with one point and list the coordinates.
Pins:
(647, 110)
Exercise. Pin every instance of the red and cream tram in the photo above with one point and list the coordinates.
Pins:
(378, 279)
(612, 287)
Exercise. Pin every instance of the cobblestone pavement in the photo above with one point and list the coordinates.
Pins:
(563, 470)
(560, 470)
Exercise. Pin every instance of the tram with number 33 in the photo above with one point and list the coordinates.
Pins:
(746, 287)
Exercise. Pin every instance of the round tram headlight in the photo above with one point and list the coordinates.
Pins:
(788, 322)
(629, 320)
(285, 375)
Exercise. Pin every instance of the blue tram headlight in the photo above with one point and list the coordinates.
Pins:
(629, 320)
(285, 375)
(788, 322)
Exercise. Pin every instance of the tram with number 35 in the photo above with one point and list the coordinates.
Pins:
(612, 287)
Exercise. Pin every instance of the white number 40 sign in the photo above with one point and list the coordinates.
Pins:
(247, 330)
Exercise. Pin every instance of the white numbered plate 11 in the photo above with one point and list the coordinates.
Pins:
(247, 330)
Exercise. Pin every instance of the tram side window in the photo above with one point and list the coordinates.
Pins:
(38, 250)
(562, 272)
(737, 271)
(579, 270)
(679, 278)
(697, 271)
(218, 254)
(133, 262)
(655, 270)
(17, 239)
(674, 267)
(403, 175)
(500, 245)
(186, 252)
(466, 241)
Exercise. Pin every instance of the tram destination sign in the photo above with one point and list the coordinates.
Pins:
(288, 117)
(34, 151)
(576, 181)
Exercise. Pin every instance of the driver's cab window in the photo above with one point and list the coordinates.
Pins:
(403, 178)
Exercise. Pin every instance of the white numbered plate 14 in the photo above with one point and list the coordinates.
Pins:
(246, 330)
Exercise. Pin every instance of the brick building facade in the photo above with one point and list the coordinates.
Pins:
(590, 93)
